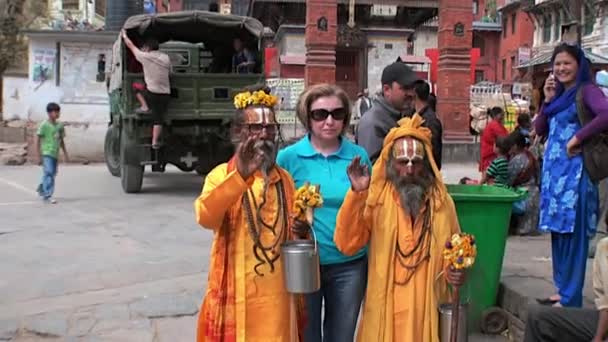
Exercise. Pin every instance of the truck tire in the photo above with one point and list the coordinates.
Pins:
(131, 176)
(111, 150)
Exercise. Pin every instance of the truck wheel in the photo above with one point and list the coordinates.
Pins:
(111, 150)
(131, 176)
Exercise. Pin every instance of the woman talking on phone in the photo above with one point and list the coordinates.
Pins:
(568, 198)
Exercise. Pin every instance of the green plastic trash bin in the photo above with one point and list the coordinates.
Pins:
(484, 211)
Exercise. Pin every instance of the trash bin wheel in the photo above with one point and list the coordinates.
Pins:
(494, 321)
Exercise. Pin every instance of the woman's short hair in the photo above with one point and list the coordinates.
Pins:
(315, 92)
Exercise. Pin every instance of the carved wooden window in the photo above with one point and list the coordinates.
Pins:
(71, 4)
(479, 76)
(479, 42)
(557, 28)
(513, 22)
(588, 20)
(547, 24)
(100, 7)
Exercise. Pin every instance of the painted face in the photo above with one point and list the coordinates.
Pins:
(260, 121)
(408, 154)
(327, 115)
(565, 68)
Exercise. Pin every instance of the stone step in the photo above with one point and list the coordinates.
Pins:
(13, 134)
(515, 296)
(13, 153)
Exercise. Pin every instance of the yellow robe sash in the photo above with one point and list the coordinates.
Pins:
(240, 305)
(373, 217)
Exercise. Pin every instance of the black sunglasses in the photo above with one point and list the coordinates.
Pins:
(322, 114)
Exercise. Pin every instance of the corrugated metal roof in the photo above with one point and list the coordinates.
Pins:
(487, 26)
(545, 58)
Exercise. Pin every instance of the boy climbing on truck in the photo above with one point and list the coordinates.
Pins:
(157, 66)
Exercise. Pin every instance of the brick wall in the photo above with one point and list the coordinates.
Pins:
(384, 51)
(511, 41)
(489, 62)
(292, 71)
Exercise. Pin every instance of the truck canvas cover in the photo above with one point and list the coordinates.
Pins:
(195, 27)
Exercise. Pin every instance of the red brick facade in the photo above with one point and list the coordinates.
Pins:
(488, 42)
(516, 33)
(454, 69)
(321, 40)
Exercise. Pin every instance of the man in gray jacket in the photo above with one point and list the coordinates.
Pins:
(397, 98)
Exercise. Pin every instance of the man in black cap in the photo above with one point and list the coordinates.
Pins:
(397, 98)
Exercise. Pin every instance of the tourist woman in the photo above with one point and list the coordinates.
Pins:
(322, 157)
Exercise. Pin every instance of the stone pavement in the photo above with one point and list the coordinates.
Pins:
(527, 275)
(102, 265)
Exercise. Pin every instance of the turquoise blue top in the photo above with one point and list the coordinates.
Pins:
(305, 164)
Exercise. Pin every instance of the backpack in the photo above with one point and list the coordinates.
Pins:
(595, 149)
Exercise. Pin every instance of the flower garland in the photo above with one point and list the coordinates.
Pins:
(306, 197)
(460, 251)
(246, 99)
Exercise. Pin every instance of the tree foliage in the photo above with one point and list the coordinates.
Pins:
(15, 16)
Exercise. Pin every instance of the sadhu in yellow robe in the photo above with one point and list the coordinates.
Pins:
(403, 293)
(246, 299)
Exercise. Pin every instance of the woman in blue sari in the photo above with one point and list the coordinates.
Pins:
(568, 198)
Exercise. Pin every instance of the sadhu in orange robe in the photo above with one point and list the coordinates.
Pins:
(401, 302)
(245, 300)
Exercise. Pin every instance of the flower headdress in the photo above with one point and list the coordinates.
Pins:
(257, 98)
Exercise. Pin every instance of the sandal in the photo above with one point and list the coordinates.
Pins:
(547, 301)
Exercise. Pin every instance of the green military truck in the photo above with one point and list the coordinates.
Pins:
(196, 127)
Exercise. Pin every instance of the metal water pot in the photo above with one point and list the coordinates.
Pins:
(301, 267)
(445, 323)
